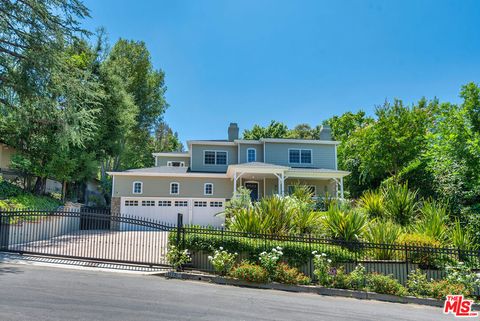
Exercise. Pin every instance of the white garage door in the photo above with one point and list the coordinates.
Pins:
(195, 211)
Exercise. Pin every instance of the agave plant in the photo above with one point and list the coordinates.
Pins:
(372, 203)
(246, 220)
(433, 220)
(400, 203)
(461, 238)
(276, 213)
(383, 232)
(343, 224)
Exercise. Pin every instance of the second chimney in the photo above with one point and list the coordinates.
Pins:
(232, 132)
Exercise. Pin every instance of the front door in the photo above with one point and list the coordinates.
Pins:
(253, 187)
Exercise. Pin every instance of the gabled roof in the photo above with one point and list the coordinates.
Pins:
(159, 169)
(166, 171)
(172, 154)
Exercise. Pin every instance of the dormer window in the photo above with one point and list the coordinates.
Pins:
(176, 164)
(299, 156)
(251, 155)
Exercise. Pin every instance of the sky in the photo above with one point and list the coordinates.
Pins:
(253, 61)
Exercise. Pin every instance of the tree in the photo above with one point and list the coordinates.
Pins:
(273, 130)
(166, 140)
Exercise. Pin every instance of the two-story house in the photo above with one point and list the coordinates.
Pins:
(197, 183)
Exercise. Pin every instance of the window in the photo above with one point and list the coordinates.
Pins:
(181, 203)
(215, 157)
(300, 156)
(208, 189)
(313, 189)
(216, 204)
(176, 164)
(148, 203)
(165, 203)
(174, 188)
(131, 203)
(200, 204)
(251, 155)
(137, 187)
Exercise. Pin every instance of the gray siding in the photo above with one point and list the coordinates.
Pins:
(162, 160)
(323, 156)
(160, 186)
(243, 152)
(197, 158)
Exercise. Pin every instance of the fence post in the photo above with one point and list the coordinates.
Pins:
(310, 254)
(179, 228)
(223, 242)
(406, 261)
(4, 232)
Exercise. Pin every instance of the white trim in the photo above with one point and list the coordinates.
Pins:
(300, 156)
(178, 188)
(171, 154)
(209, 142)
(182, 164)
(141, 187)
(156, 161)
(205, 189)
(246, 155)
(189, 174)
(246, 141)
(215, 151)
(336, 161)
(113, 186)
(300, 141)
(238, 154)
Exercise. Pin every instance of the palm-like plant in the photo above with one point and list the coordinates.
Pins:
(433, 220)
(345, 225)
(400, 203)
(372, 203)
(383, 232)
(462, 239)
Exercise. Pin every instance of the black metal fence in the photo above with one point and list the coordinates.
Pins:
(85, 234)
(395, 259)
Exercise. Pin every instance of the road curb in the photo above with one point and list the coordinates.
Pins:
(362, 295)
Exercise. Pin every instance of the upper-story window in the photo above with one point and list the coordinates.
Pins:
(300, 156)
(174, 188)
(137, 187)
(215, 157)
(176, 164)
(251, 155)
(208, 189)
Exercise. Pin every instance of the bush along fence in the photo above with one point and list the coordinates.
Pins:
(399, 262)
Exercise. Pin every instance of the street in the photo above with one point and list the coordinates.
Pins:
(46, 293)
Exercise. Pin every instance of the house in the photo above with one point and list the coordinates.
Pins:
(197, 183)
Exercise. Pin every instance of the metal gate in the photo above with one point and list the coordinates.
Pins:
(86, 234)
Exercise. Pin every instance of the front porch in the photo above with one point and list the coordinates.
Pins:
(269, 179)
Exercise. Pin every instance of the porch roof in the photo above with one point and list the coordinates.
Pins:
(256, 167)
(315, 173)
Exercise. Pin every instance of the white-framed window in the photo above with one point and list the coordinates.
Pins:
(208, 189)
(181, 203)
(148, 203)
(215, 157)
(216, 204)
(251, 155)
(313, 189)
(131, 203)
(137, 187)
(174, 188)
(165, 203)
(299, 156)
(176, 164)
(200, 204)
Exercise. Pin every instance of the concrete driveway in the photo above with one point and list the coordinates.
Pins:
(44, 293)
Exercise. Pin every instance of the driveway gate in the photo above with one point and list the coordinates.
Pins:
(86, 234)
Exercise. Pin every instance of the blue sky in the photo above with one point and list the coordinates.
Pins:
(296, 61)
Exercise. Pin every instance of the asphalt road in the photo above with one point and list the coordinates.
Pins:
(46, 293)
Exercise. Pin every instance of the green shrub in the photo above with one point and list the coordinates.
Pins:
(462, 238)
(269, 261)
(250, 272)
(355, 280)
(385, 284)
(322, 268)
(222, 261)
(440, 289)
(425, 257)
(417, 284)
(372, 203)
(8, 189)
(383, 232)
(290, 275)
(177, 257)
(400, 203)
(345, 225)
(462, 274)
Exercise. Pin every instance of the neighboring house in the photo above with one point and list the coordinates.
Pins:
(197, 183)
(6, 153)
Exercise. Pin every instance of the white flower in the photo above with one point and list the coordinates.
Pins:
(221, 248)
(329, 261)
(314, 252)
(210, 257)
(279, 248)
(236, 253)
(323, 254)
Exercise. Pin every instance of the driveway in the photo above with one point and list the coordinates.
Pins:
(45, 293)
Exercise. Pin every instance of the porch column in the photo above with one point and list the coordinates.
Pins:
(279, 185)
(283, 184)
(341, 187)
(235, 183)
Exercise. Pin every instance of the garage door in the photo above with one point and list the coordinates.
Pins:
(195, 211)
